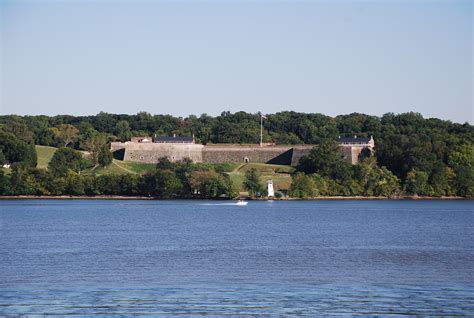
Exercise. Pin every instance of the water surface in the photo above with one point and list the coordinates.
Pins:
(209, 257)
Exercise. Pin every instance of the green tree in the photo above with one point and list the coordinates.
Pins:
(4, 182)
(417, 183)
(375, 181)
(164, 163)
(462, 162)
(198, 180)
(40, 180)
(303, 186)
(252, 183)
(105, 156)
(128, 184)
(74, 184)
(2, 156)
(45, 136)
(342, 171)
(21, 181)
(441, 179)
(108, 184)
(16, 150)
(20, 130)
(387, 184)
(122, 130)
(209, 184)
(66, 133)
(95, 145)
(183, 169)
(161, 183)
(57, 185)
(65, 160)
(322, 184)
(89, 182)
(322, 159)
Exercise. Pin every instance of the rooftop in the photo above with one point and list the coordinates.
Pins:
(178, 139)
(354, 139)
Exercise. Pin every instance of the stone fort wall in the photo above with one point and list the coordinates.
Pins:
(221, 154)
(298, 152)
(284, 155)
(151, 152)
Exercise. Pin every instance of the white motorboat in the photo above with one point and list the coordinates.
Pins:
(242, 202)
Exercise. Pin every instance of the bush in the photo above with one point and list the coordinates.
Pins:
(105, 156)
(65, 160)
(303, 186)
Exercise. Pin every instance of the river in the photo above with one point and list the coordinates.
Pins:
(93, 257)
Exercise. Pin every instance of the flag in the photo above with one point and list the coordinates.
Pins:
(263, 116)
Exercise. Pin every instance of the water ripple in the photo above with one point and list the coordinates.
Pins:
(246, 299)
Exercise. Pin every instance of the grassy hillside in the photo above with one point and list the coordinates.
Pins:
(45, 154)
(278, 173)
(117, 167)
(120, 167)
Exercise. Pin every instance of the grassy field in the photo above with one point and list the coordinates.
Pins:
(45, 154)
(120, 167)
(278, 173)
(117, 167)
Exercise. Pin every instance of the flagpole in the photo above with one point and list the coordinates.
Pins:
(261, 130)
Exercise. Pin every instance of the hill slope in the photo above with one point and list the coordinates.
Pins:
(278, 173)
(45, 154)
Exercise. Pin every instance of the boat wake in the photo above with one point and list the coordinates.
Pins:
(230, 203)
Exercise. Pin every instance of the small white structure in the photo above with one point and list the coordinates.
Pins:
(270, 191)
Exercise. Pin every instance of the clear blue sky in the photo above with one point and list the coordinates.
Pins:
(191, 57)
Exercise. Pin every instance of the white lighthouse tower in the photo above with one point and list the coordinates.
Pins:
(270, 191)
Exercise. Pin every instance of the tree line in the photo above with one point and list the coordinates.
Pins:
(423, 156)
(67, 174)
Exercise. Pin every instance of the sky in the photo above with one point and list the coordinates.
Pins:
(193, 57)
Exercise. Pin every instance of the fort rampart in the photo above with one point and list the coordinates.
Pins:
(284, 155)
(221, 154)
(151, 152)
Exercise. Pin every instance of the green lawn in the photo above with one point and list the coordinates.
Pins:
(121, 167)
(278, 173)
(45, 154)
(265, 168)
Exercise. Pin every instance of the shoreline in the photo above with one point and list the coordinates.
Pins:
(124, 197)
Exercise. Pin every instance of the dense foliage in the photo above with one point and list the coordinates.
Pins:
(182, 179)
(252, 183)
(413, 154)
(14, 149)
(364, 179)
(66, 160)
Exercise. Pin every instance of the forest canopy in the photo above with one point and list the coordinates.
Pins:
(428, 156)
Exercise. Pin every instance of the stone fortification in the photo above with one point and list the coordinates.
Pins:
(116, 145)
(237, 153)
(298, 152)
(151, 152)
(284, 155)
(353, 154)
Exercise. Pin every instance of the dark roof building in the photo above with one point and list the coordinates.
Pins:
(174, 140)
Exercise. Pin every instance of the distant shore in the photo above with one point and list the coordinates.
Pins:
(123, 197)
